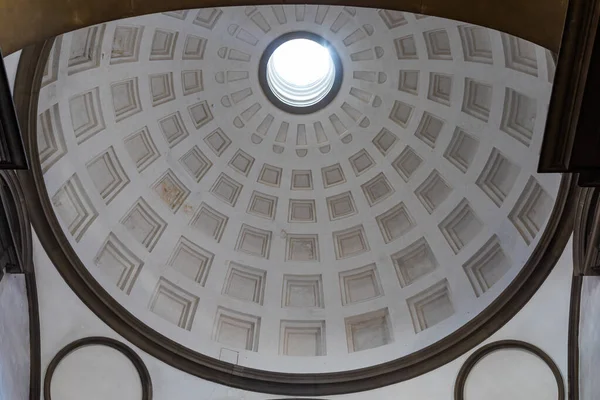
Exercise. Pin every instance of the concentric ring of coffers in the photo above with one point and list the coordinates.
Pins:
(355, 235)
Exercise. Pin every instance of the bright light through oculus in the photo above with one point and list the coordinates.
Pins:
(300, 72)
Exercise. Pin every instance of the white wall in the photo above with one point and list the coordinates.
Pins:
(14, 339)
(543, 322)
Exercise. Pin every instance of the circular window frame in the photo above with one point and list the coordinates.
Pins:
(539, 265)
(263, 79)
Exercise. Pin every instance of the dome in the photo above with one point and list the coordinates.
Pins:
(381, 222)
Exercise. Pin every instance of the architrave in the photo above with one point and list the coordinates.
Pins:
(76, 275)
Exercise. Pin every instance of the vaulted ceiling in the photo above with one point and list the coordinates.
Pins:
(355, 235)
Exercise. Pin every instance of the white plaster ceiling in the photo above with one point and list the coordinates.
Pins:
(352, 236)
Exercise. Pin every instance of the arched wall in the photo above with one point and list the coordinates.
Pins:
(542, 322)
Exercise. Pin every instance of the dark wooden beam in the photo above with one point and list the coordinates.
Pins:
(12, 152)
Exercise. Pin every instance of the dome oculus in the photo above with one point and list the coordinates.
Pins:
(300, 72)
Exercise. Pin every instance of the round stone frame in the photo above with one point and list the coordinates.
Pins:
(137, 362)
(264, 84)
(463, 374)
(501, 310)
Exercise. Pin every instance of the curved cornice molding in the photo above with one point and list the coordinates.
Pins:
(137, 362)
(463, 374)
(500, 311)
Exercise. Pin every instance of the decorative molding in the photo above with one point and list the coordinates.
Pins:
(209, 221)
(270, 175)
(107, 174)
(469, 364)
(384, 141)
(171, 190)
(51, 138)
(174, 304)
(302, 211)
(476, 44)
(360, 284)
(461, 150)
(302, 291)
(126, 44)
(341, 206)
(245, 283)
(163, 45)
(519, 54)
(141, 148)
(254, 241)
(395, 222)
(333, 175)
(406, 49)
(231, 326)
(191, 260)
(392, 19)
(350, 242)
(414, 262)
(241, 162)
(368, 330)
(226, 189)
(518, 116)
(195, 163)
(498, 177)
(74, 207)
(119, 263)
(207, 17)
(429, 129)
(304, 248)
(433, 191)
(461, 226)
(173, 129)
(218, 141)
(531, 209)
(200, 114)
(161, 88)
(263, 205)
(194, 47)
(401, 113)
(301, 179)
(408, 81)
(144, 224)
(302, 338)
(438, 44)
(431, 306)
(87, 118)
(477, 99)
(86, 49)
(440, 88)
(132, 356)
(361, 162)
(407, 163)
(125, 98)
(487, 266)
(377, 189)
(192, 81)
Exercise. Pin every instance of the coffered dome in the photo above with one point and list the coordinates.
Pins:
(363, 230)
